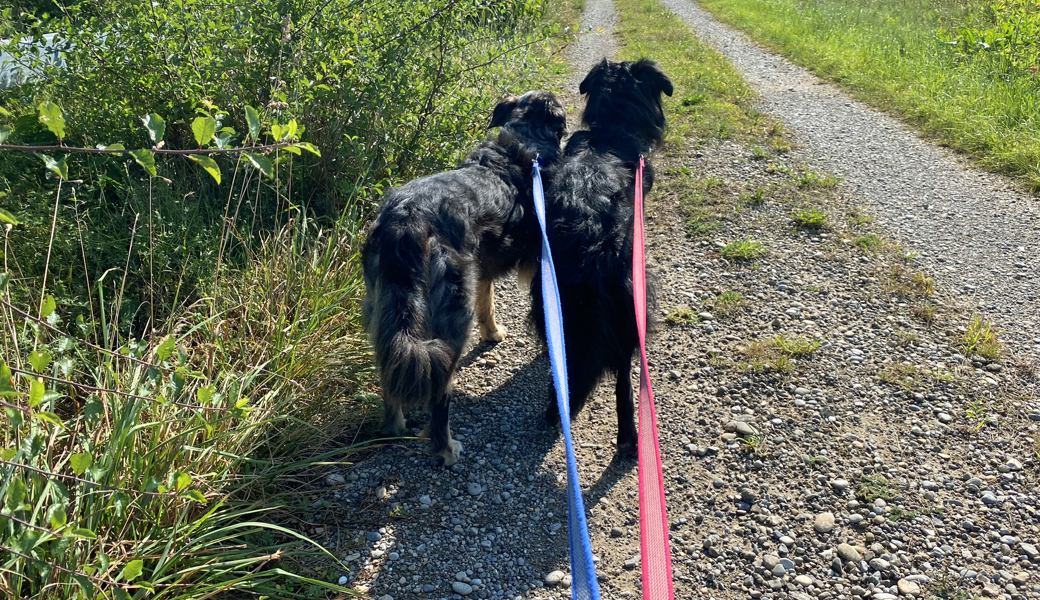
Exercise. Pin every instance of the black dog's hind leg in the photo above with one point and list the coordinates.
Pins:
(582, 377)
(627, 439)
(489, 330)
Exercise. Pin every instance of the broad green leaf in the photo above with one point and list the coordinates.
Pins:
(223, 138)
(8, 453)
(85, 585)
(36, 391)
(56, 516)
(165, 348)
(183, 481)
(132, 570)
(50, 116)
(16, 492)
(3, 111)
(204, 128)
(51, 418)
(207, 163)
(4, 278)
(39, 360)
(146, 585)
(115, 146)
(146, 159)
(277, 132)
(260, 161)
(156, 127)
(5, 132)
(120, 500)
(309, 147)
(195, 496)
(82, 532)
(292, 150)
(205, 394)
(253, 119)
(6, 217)
(58, 167)
(120, 594)
(48, 306)
(80, 462)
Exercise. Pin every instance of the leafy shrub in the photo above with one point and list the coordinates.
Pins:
(1009, 35)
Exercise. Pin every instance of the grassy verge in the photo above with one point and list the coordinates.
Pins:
(904, 56)
(157, 456)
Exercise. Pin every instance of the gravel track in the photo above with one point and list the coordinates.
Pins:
(971, 228)
(762, 466)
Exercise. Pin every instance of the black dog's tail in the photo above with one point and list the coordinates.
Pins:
(413, 368)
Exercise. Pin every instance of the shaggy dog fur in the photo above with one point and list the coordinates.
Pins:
(590, 209)
(433, 252)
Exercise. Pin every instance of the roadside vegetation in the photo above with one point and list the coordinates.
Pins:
(180, 313)
(964, 72)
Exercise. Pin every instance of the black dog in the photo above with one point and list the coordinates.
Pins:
(433, 252)
(590, 211)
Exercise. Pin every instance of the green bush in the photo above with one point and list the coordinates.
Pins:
(1009, 35)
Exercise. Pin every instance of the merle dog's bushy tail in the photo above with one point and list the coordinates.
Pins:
(413, 367)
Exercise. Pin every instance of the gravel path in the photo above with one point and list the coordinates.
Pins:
(970, 228)
(882, 465)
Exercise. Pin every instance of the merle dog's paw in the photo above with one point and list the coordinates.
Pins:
(448, 456)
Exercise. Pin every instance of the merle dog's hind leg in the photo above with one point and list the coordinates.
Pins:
(393, 419)
(445, 450)
(489, 330)
(627, 439)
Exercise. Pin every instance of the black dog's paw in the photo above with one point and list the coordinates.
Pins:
(628, 450)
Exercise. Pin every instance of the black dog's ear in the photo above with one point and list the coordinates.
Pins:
(595, 73)
(503, 111)
(649, 71)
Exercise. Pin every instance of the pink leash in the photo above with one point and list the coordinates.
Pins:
(653, 517)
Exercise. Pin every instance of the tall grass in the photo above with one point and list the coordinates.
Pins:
(902, 55)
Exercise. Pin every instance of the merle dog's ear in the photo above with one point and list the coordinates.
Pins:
(503, 111)
(650, 72)
(595, 74)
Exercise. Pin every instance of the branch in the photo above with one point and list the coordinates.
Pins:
(262, 148)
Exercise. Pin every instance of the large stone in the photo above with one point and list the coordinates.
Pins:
(824, 522)
(848, 552)
(462, 589)
(908, 588)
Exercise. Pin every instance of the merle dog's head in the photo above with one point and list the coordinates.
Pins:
(626, 96)
(537, 120)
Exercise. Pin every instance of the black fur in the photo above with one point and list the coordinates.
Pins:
(590, 208)
(433, 252)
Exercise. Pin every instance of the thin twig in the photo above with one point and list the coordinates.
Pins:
(74, 149)
(104, 488)
(98, 390)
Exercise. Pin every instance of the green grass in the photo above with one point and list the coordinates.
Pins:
(870, 242)
(746, 249)
(810, 218)
(892, 53)
(872, 487)
(726, 303)
(981, 338)
(682, 316)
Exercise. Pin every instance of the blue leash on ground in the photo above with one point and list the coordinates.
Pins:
(584, 585)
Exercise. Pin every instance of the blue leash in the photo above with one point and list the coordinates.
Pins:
(584, 585)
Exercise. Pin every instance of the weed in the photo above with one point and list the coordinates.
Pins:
(869, 243)
(925, 311)
(872, 487)
(809, 218)
(758, 152)
(726, 302)
(753, 444)
(981, 338)
(779, 145)
(700, 221)
(795, 346)
(857, 219)
(755, 198)
(811, 180)
(742, 249)
(976, 413)
(682, 316)
(909, 285)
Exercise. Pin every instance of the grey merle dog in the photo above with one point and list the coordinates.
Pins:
(590, 213)
(434, 251)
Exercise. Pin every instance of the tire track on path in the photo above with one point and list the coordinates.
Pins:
(971, 229)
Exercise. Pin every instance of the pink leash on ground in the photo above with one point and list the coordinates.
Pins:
(653, 516)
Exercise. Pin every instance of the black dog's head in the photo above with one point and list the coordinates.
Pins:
(626, 96)
(537, 120)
